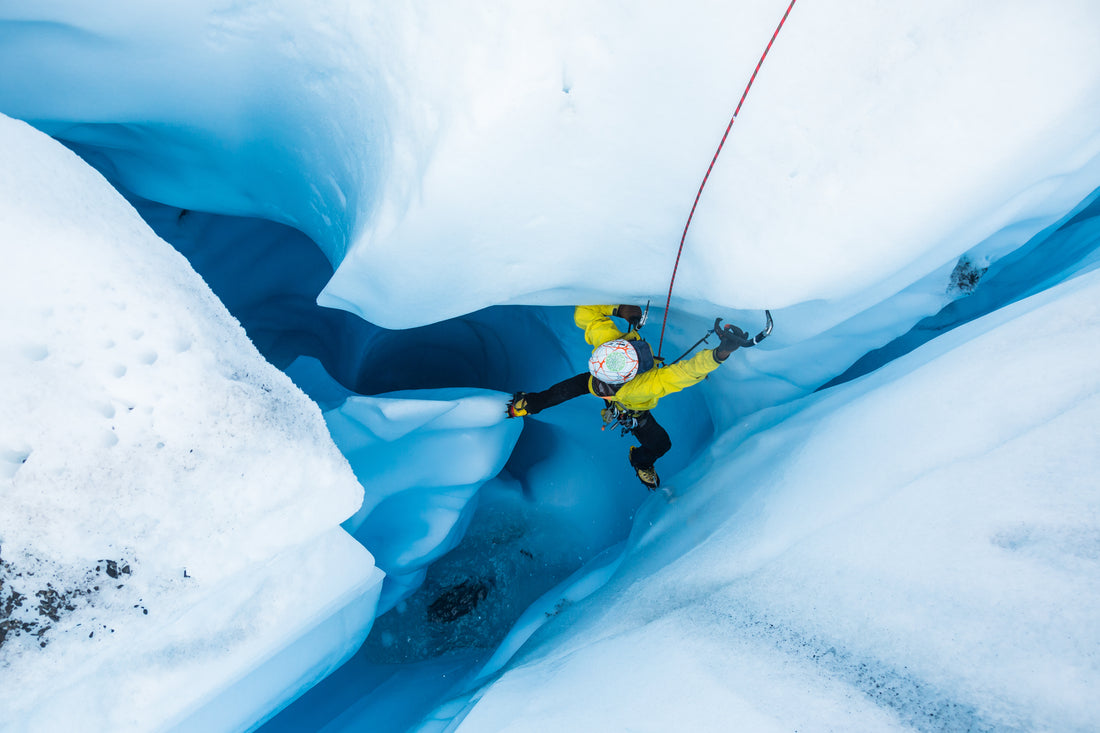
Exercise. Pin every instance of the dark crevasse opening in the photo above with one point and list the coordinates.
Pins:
(268, 276)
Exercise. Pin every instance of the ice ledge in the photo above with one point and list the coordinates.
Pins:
(251, 646)
(314, 637)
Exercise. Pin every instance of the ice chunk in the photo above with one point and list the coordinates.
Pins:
(324, 615)
(421, 457)
(171, 502)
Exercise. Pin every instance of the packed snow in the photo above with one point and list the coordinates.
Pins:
(171, 501)
(884, 517)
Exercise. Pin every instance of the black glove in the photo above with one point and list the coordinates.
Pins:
(631, 313)
(732, 339)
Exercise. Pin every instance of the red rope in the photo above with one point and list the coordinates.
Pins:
(744, 94)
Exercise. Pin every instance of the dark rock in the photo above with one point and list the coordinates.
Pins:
(458, 600)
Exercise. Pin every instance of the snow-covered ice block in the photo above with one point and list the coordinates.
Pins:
(234, 656)
(421, 456)
(326, 597)
(878, 144)
(167, 494)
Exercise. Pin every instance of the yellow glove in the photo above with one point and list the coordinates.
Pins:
(517, 406)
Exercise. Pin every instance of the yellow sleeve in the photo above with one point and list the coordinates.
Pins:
(597, 324)
(677, 376)
(642, 392)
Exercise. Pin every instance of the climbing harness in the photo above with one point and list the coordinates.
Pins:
(668, 302)
(627, 420)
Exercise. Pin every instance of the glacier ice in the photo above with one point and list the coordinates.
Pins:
(421, 456)
(848, 570)
(526, 159)
(172, 502)
(379, 132)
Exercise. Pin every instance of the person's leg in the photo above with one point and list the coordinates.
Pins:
(654, 442)
(535, 402)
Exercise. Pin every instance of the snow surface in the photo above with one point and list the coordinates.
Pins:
(171, 501)
(914, 548)
(606, 123)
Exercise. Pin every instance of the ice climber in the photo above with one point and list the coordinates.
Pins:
(621, 372)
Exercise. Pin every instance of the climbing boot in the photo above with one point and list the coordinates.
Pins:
(517, 406)
(646, 474)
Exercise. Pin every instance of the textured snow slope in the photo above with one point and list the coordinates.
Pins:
(171, 501)
(919, 549)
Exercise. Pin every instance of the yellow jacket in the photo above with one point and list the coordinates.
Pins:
(642, 392)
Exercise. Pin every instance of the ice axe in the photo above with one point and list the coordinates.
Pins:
(745, 343)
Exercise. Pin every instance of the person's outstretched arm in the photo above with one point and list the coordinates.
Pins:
(597, 324)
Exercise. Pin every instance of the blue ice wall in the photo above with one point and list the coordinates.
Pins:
(1061, 252)
(198, 111)
(268, 275)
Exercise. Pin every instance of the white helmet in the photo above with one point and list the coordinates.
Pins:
(614, 362)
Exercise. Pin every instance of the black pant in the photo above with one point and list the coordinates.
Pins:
(653, 438)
